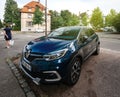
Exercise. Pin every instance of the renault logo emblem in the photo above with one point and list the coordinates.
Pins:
(27, 54)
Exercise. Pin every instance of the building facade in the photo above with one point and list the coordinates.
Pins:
(27, 17)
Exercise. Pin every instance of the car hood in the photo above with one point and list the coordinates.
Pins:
(46, 45)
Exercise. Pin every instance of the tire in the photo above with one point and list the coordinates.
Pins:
(97, 51)
(73, 72)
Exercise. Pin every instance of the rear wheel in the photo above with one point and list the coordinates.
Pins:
(73, 72)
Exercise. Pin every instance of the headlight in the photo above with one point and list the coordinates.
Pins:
(55, 55)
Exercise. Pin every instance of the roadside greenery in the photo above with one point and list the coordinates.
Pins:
(68, 18)
(110, 18)
(96, 20)
(84, 18)
(38, 17)
(116, 22)
(56, 20)
(64, 18)
(12, 14)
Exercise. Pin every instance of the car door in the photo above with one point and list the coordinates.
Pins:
(92, 40)
(84, 43)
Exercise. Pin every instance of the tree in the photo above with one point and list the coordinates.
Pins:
(109, 18)
(64, 18)
(84, 18)
(116, 22)
(12, 14)
(96, 19)
(56, 20)
(74, 20)
(66, 15)
(38, 16)
(69, 19)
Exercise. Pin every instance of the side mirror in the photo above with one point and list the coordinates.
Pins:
(85, 38)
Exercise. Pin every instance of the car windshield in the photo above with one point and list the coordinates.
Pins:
(65, 33)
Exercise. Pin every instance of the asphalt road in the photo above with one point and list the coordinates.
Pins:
(112, 44)
(110, 41)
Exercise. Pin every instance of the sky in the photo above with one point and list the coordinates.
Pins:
(74, 6)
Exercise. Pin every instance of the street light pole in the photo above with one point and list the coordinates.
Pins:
(46, 18)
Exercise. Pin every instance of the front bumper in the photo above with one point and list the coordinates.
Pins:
(35, 80)
(44, 76)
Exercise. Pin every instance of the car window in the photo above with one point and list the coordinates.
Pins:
(89, 32)
(68, 33)
(82, 34)
(85, 34)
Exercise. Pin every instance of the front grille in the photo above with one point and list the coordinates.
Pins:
(31, 57)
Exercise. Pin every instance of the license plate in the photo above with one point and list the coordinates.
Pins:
(27, 66)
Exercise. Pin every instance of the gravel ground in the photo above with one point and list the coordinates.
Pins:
(100, 77)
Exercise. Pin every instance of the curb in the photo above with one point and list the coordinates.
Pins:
(22, 82)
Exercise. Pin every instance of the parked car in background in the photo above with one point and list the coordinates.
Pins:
(59, 56)
(39, 30)
(109, 29)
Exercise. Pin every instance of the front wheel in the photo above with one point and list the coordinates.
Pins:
(73, 72)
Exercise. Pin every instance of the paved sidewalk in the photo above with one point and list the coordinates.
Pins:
(9, 85)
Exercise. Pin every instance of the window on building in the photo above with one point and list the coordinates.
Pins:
(29, 9)
(29, 15)
(29, 24)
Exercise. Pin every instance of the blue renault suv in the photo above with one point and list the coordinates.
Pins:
(59, 56)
